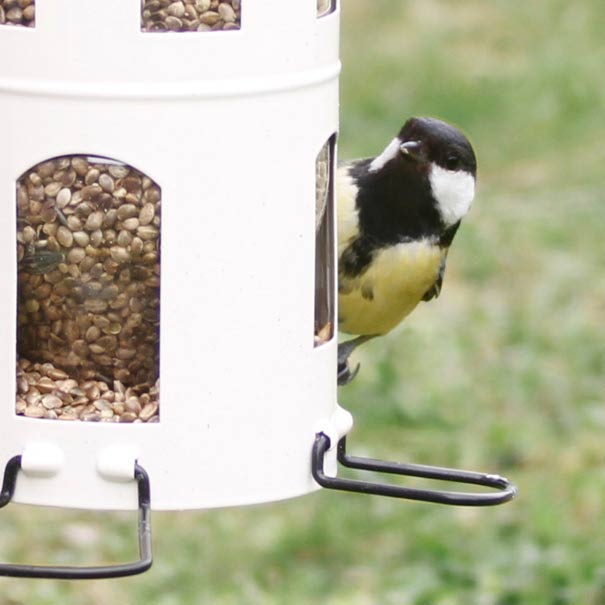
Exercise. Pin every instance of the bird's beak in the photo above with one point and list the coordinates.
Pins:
(411, 149)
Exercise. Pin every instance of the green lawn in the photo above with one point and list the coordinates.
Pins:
(504, 372)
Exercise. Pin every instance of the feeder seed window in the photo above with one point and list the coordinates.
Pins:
(324, 243)
(190, 15)
(325, 7)
(88, 284)
(18, 12)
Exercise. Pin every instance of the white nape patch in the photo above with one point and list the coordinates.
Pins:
(453, 190)
(391, 151)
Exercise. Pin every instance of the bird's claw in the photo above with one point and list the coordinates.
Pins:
(345, 375)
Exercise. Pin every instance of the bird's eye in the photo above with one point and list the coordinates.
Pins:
(452, 162)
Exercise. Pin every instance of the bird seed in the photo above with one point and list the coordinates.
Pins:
(18, 12)
(190, 15)
(88, 250)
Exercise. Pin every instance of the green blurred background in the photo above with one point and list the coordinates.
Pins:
(504, 372)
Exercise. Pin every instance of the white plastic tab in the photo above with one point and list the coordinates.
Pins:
(343, 421)
(42, 459)
(116, 462)
(339, 424)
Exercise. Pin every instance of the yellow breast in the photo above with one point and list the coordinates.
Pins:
(393, 284)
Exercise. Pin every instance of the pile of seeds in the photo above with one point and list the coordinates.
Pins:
(190, 15)
(18, 12)
(44, 391)
(88, 249)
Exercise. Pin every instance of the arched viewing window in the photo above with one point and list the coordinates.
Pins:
(88, 294)
(325, 7)
(190, 15)
(18, 12)
(324, 243)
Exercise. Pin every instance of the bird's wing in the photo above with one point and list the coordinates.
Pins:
(445, 241)
(435, 289)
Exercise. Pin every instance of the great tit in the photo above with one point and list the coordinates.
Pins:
(397, 216)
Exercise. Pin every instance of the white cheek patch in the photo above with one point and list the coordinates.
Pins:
(454, 192)
(391, 151)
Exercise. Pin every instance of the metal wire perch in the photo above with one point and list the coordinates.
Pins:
(144, 562)
(507, 490)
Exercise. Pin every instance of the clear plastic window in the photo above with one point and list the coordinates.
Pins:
(18, 12)
(325, 7)
(88, 291)
(324, 243)
(190, 15)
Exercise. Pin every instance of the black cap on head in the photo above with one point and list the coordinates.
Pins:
(440, 143)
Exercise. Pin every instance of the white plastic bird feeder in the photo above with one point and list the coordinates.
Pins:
(223, 131)
(168, 237)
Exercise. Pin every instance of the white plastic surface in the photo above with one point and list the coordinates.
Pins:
(117, 462)
(229, 125)
(42, 459)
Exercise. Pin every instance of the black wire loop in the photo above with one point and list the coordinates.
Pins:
(507, 490)
(144, 562)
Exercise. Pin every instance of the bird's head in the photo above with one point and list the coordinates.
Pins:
(441, 156)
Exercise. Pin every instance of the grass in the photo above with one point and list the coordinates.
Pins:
(504, 372)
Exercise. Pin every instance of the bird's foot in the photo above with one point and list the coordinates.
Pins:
(345, 375)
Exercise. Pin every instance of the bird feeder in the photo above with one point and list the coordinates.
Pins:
(168, 332)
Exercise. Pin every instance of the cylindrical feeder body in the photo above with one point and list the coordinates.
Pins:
(160, 235)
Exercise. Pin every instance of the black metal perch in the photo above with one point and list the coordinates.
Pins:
(144, 562)
(506, 490)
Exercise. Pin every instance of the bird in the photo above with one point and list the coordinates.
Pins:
(397, 214)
